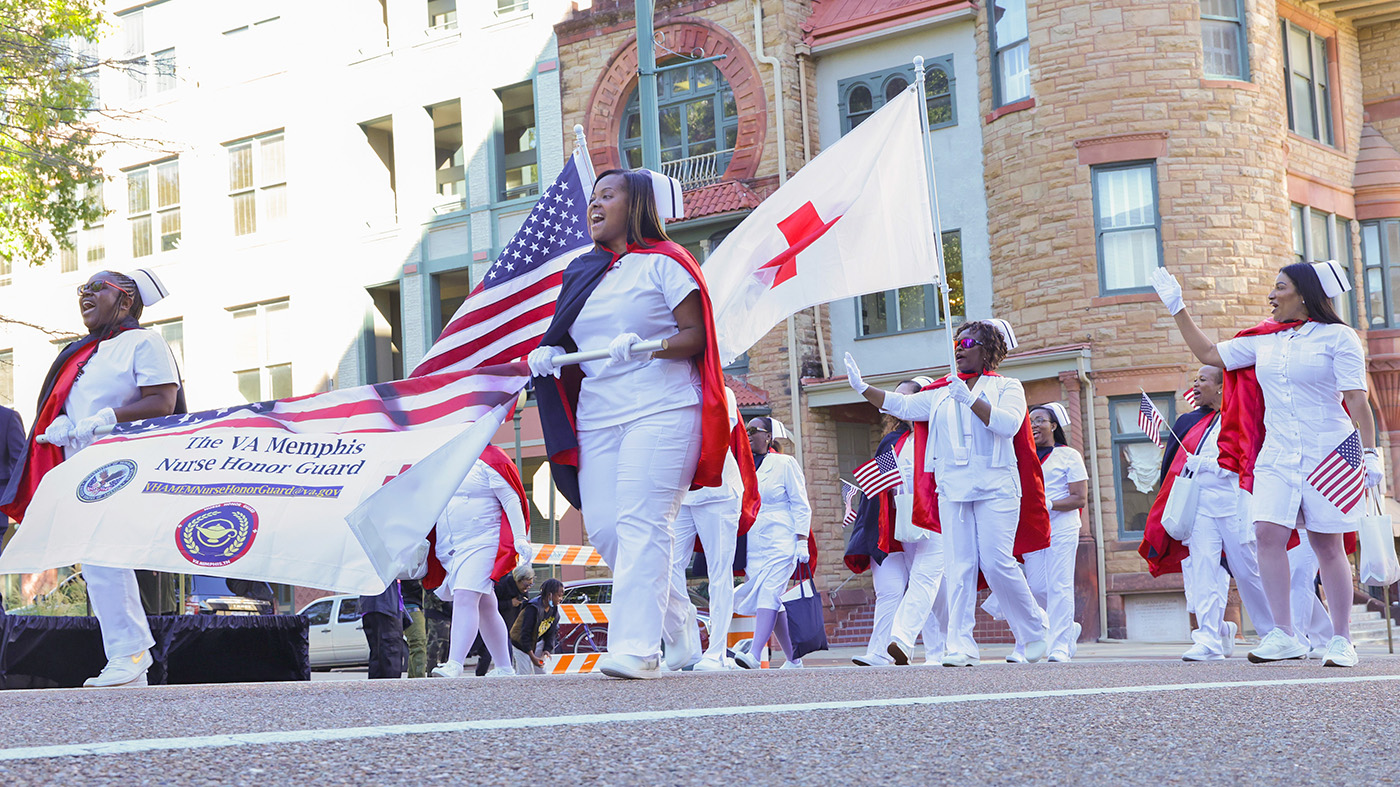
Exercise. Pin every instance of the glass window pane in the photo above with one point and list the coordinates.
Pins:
(96, 246)
(1394, 271)
(953, 263)
(168, 184)
(245, 338)
(1221, 43)
(1015, 72)
(632, 126)
(240, 167)
(281, 380)
(873, 316)
(245, 221)
(170, 230)
(859, 100)
(318, 614)
(894, 87)
(275, 203)
(728, 107)
(133, 33)
(141, 236)
(67, 255)
(1299, 244)
(1299, 50)
(1009, 18)
(670, 123)
(700, 121)
(913, 307)
(174, 335)
(1303, 122)
(165, 70)
(138, 193)
(1320, 237)
(1129, 257)
(278, 326)
(273, 164)
(1375, 296)
(250, 385)
(1125, 198)
(704, 76)
(731, 137)
(1224, 8)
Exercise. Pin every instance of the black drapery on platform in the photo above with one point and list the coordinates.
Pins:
(52, 652)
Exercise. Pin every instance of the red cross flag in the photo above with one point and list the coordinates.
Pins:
(855, 220)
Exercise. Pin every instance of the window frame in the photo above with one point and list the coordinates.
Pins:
(1241, 39)
(154, 213)
(524, 192)
(666, 99)
(877, 82)
(1321, 104)
(932, 302)
(160, 326)
(265, 363)
(1151, 165)
(1337, 247)
(1119, 438)
(998, 50)
(150, 72)
(7, 361)
(263, 221)
(1387, 259)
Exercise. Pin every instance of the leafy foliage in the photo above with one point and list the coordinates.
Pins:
(47, 156)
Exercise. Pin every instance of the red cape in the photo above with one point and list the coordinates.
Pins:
(1033, 530)
(506, 556)
(1162, 552)
(887, 542)
(739, 447)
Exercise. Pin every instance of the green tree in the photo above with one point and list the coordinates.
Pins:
(48, 158)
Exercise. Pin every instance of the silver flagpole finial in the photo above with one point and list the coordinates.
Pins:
(580, 141)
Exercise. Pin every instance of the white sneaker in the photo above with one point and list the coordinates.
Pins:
(746, 660)
(1016, 657)
(501, 672)
(871, 660)
(794, 664)
(1057, 658)
(1227, 638)
(1278, 646)
(1035, 651)
(122, 671)
(898, 652)
(447, 669)
(1340, 653)
(1198, 652)
(686, 650)
(710, 664)
(1317, 652)
(618, 665)
(959, 660)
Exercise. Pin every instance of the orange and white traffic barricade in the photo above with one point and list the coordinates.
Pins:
(566, 555)
(584, 613)
(574, 663)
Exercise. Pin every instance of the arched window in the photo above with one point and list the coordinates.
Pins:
(699, 124)
(862, 95)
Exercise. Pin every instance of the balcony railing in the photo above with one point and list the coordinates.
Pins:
(696, 172)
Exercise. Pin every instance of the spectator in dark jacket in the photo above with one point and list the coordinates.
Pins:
(11, 444)
(535, 633)
(383, 619)
(511, 591)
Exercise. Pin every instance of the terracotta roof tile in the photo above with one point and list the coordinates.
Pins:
(724, 197)
(746, 395)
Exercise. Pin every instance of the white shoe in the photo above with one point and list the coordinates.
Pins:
(898, 652)
(1057, 658)
(1227, 638)
(618, 665)
(448, 669)
(709, 664)
(794, 664)
(1198, 652)
(1340, 653)
(1016, 657)
(746, 660)
(1317, 652)
(959, 660)
(1278, 646)
(686, 650)
(122, 671)
(1035, 651)
(500, 672)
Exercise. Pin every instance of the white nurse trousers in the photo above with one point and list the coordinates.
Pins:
(980, 534)
(717, 525)
(1050, 573)
(1209, 591)
(116, 601)
(921, 605)
(632, 479)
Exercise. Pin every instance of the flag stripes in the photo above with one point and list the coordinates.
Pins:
(1151, 421)
(1341, 475)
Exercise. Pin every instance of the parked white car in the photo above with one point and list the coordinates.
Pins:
(335, 637)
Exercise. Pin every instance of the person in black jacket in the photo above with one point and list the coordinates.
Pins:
(535, 633)
(511, 597)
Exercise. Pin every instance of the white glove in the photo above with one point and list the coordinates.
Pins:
(60, 431)
(85, 432)
(1168, 289)
(1374, 471)
(802, 554)
(525, 549)
(541, 361)
(961, 394)
(853, 375)
(620, 349)
(417, 562)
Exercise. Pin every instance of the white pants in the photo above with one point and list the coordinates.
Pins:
(980, 535)
(771, 559)
(116, 602)
(717, 525)
(1311, 624)
(632, 478)
(1050, 573)
(1210, 586)
(923, 605)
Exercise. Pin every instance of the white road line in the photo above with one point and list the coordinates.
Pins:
(354, 733)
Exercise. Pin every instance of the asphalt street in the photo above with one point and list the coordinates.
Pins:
(1089, 722)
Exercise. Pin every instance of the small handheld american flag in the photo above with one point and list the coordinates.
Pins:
(1150, 420)
(1341, 476)
(848, 500)
(878, 475)
(1190, 396)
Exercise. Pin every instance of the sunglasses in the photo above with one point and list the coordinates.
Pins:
(1040, 422)
(967, 343)
(756, 430)
(95, 287)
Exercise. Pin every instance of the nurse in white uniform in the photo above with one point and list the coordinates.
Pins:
(468, 537)
(971, 454)
(1308, 368)
(777, 542)
(132, 376)
(1051, 571)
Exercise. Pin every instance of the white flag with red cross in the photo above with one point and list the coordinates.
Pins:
(855, 220)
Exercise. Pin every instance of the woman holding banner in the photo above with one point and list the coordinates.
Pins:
(1297, 387)
(628, 434)
(118, 372)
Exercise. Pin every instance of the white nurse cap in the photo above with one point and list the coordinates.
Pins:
(1333, 278)
(1060, 412)
(150, 286)
(923, 381)
(780, 432)
(667, 190)
(1006, 332)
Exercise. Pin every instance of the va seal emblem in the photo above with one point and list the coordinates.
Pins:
(217, 535)
(106, 480)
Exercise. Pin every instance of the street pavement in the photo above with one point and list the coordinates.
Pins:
(1120, 713)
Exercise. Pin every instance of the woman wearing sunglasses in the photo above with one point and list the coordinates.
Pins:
(118, 372)
(777, 542)
(977, 479)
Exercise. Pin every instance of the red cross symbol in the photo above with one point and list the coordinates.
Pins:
(801, 229)
(389, 478)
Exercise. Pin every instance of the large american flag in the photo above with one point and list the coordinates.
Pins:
(1341, 476)
(506, 314)
(1150, 420)
(879, 474)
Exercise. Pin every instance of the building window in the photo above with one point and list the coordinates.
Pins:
(453, 287)
(154, 217)
(518, 173)
(508, 7)
(1305, 74)
(698, 122)
(1380, 256)
(1137, 461)
(449, 156)
(914, 308)
(173, 332)
(862, 95)
(384, 335)
(1223, 39)
(1011, 51)
(257, 183)
(1319, 236)
(1127, 225)
(262, 351)
(87, 243)
(147, 70)
(7, 378)
(442, 14)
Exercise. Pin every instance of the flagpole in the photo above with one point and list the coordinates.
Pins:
(941, 276)
(586, 161)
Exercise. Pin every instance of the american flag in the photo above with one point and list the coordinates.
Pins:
(1341, 475)
(415, 403)
(1190, 395)
(878, 475)
(1150, 420)
(505, 315)
(848, 499)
